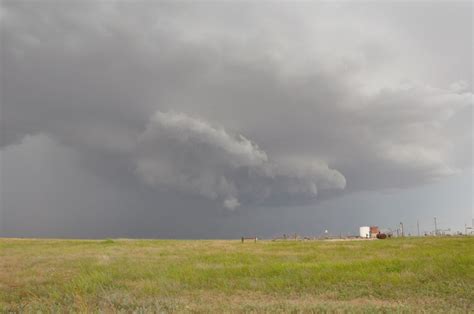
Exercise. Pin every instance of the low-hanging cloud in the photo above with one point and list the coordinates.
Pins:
(184, 153)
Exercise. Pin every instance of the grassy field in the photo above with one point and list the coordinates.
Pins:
(411, 274)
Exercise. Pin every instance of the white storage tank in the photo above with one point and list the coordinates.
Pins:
(364, 232)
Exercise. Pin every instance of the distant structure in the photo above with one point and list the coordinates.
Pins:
(374, 230)
(364, 232)
(369, 232)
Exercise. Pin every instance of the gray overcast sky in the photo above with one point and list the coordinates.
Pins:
(219, 119)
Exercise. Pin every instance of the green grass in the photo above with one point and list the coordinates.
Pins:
(396, 275)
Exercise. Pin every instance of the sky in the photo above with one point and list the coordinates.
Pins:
(225, 119)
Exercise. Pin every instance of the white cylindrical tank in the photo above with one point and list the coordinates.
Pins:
(364, 232)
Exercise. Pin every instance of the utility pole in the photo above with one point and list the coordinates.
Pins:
(418, 227)
(436, 227)
(401, 228)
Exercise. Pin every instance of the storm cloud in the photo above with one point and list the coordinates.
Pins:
(239, 104)
(187, 154)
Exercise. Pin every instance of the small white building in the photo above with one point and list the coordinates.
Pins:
(364, 232)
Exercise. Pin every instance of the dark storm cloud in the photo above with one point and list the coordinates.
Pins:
(187, 154)
(234, 103)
